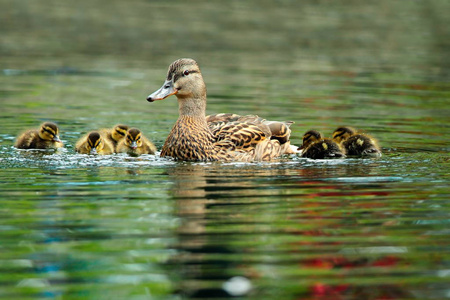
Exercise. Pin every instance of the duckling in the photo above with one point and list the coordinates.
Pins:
(194, 137)
(316, 147)
(361, 145)
(310, 137)
(343, 133)
(135, 144)
(355, 143)
(114, 135)
(46, 137)
(94, 143)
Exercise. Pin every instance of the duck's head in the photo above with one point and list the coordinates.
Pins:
(184, 80)
(94, 143)
(343, 133)
(310, 137)
(133, 138)
(49, 132)
(119, 131)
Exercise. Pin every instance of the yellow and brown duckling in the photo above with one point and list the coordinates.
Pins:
(316, 147)
(355, 143)
(114, 135)
(46, 137)
(135, 144)
(361, 144)
(343, 133)
(222, 137)
(94, 143)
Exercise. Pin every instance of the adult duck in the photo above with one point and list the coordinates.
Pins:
(222, 137)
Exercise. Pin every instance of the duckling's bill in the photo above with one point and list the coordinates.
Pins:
(165, 91)
(57, 139)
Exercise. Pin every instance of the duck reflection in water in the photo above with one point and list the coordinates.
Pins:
(201, 199)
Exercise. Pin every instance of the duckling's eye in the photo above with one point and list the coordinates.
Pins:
(186, 72)
(49, 131)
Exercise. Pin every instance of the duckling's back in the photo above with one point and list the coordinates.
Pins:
(361, 145)
(28, 140)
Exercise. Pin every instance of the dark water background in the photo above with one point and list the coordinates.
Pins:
(79, 227)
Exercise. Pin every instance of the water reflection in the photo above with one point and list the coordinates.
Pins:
(81, 227)
(257, 224)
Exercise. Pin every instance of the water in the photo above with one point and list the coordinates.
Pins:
(119, 227)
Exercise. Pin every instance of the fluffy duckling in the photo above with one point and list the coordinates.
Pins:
(195, 137)
(46, 137)
(316, 147)
(114, 135)
(135, 144)
(355, 143)
(343, 133)
(361, 145)
(94, 143)
(310, 137)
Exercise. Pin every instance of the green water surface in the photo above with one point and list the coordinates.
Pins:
(117, 227)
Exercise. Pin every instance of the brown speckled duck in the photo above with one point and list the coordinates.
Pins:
(46, 137)
(316, 147)
(355, 143)
(94, 143)
(222, 137)
(114, 135)
(135, 144)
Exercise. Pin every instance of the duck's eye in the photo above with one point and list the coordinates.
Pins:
(186, 72)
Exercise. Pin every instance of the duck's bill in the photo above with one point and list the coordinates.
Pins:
(165, 91)
(56, 139)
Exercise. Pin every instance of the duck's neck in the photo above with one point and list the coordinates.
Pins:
(192, 107)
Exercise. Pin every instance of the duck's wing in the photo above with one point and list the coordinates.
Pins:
(242, 135)
(278, 130)
(215, 122)
(221, 118)
(251, 129)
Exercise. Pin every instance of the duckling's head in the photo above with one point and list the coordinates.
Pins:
(184, 80)
(49, 132)
(133, 138)
(343, 133)
(95, 143)
(310, 137)
(372, 151)
(119, 131)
